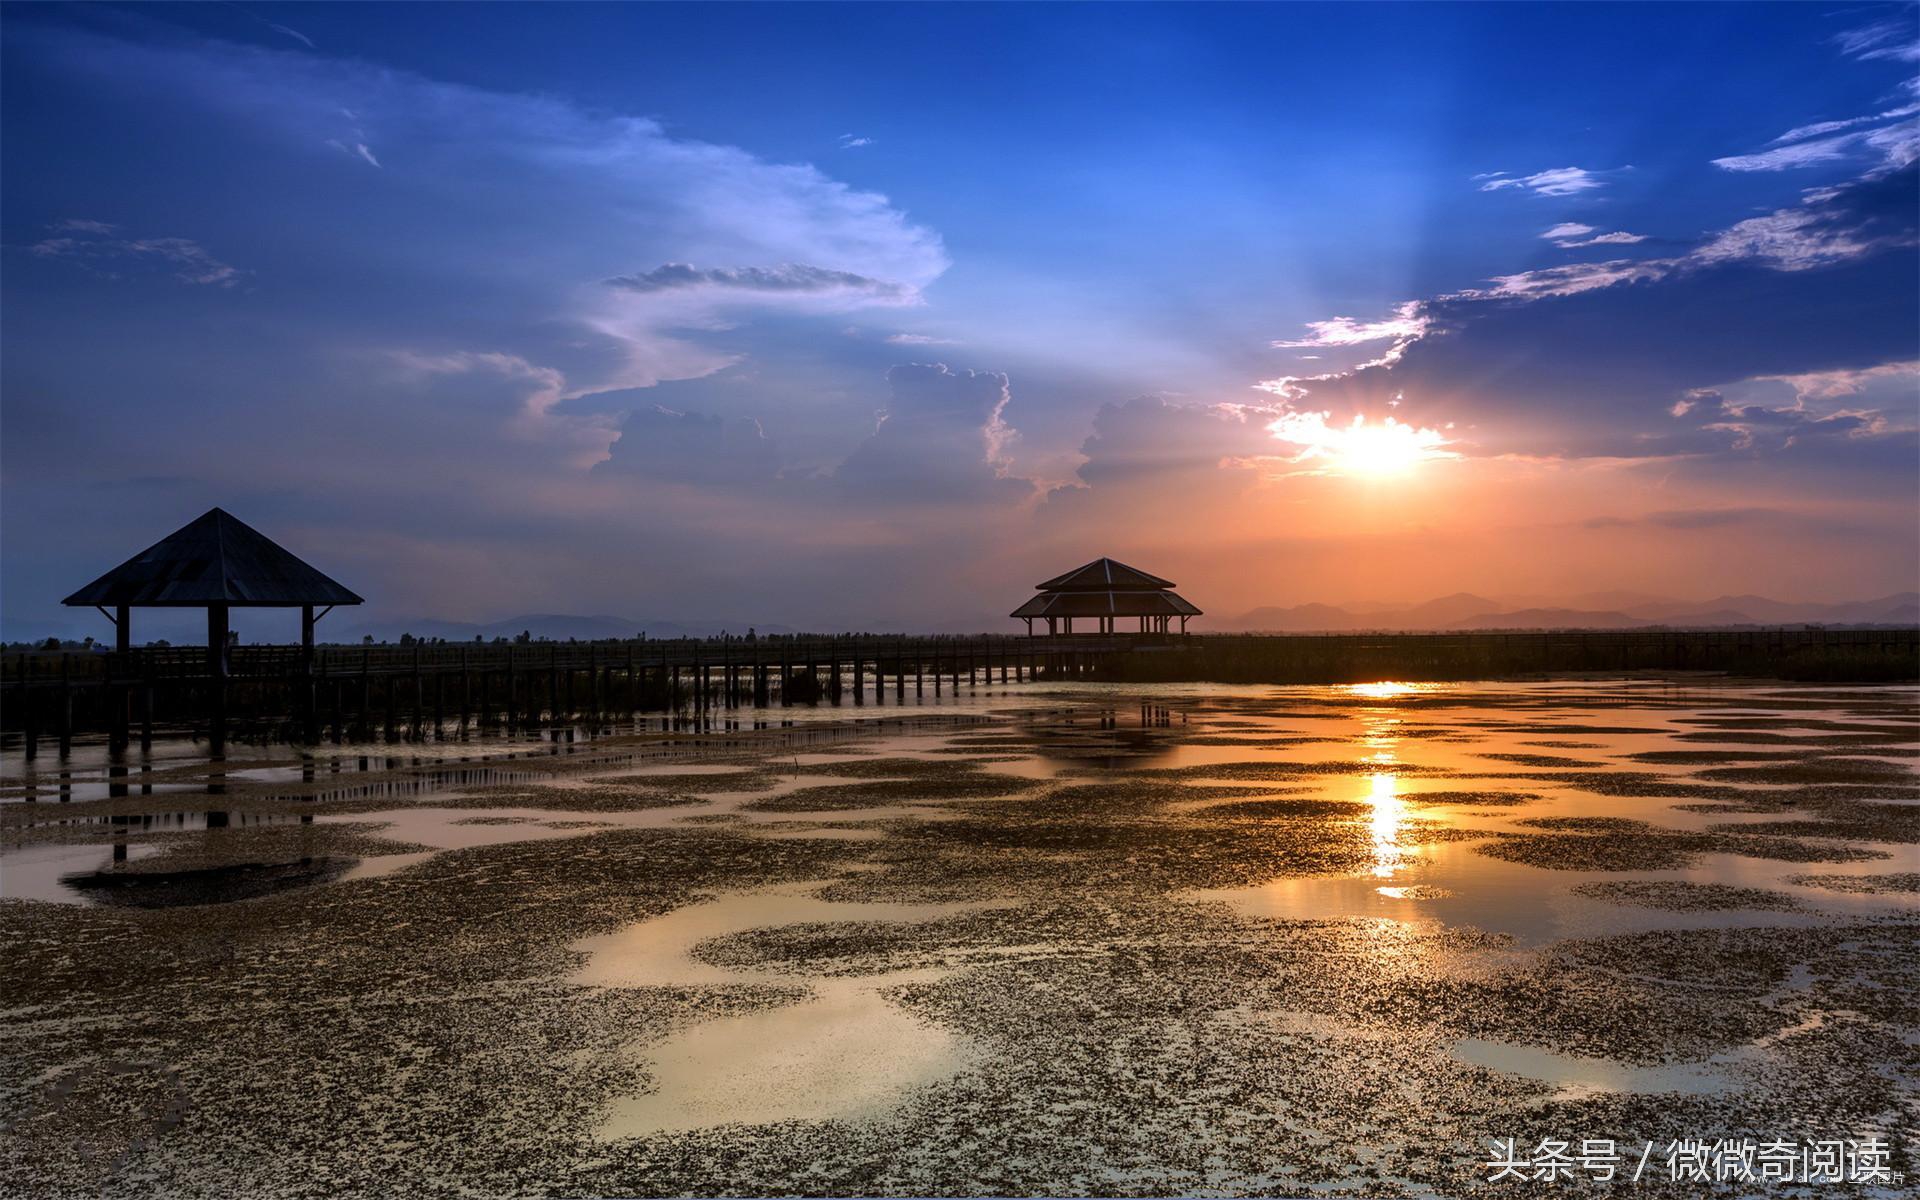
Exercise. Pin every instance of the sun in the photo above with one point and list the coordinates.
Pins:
(1380, 450)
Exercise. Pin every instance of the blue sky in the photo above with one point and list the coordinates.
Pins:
(617, 308)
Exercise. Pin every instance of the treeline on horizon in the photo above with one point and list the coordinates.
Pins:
(97, 645)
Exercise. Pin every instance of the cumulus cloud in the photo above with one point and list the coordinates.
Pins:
(1560, 181)
(682, 447)
(943, 436)
(91, 246)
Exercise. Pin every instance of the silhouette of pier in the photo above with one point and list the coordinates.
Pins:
(405, 693)
(399, 693)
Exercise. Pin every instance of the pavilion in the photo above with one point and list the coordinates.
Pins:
(218, 563)
(1105, 591)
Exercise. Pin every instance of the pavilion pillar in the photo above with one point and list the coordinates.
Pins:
(217, 664)
(310, 708)
(119, 696)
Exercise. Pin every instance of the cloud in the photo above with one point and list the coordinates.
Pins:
(1571, 236)
(1894, 38)
(545, 385)
(1828, 385)
(1830, 226)
(942, 437)
(295, 34)
(850, 142)
(580, 189)
(918, 339)
(1821, 127)
(1406, 322)
(91, 246)
(1893, 146)
(1560, 181)
(788, 277)
(1149, 438)
(1607, 360)
(681, 447)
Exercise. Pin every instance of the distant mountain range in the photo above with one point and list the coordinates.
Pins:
(1605, 610)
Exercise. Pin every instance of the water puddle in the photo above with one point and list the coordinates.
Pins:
(1578, 1078)
(844, 1052)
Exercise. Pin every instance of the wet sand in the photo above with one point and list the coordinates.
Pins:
(1070, 940)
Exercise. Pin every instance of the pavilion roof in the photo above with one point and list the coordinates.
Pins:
(216, 559)
(1102, 574)
(1154, 603)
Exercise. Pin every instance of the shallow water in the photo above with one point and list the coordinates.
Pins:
(839, 1051)
(918, 913)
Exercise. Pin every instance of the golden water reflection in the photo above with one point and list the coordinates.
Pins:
(1387, 689)
(1389, 811)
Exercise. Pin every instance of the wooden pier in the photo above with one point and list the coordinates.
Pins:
(414, 692)
(392, 693)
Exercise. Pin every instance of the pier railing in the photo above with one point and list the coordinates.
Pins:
(408, 691)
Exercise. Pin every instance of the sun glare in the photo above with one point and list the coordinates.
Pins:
(1384, 690)
(1377, 449)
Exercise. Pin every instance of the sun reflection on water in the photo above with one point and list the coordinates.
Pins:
(1386, 689)
(1389, 810)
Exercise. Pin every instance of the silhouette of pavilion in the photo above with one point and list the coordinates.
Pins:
(218, 563)
(1106, 591)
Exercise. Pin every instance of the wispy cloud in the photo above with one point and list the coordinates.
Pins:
(295, 34)
(850, 141)
(919, 339)
(1572, 235)
(91, 246)
(788, 277)
(1894, 145)
(1823, 127)
(1406, 322)
(1896, 38)
(1560, 181)
(358, 150)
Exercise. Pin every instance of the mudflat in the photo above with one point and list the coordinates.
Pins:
(1045, 940)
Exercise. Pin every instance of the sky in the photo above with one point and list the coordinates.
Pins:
(873, 316)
